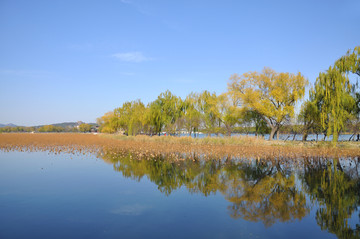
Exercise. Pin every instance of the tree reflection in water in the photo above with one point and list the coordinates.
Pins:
(261, 190)
(264, 192)
(337, 191)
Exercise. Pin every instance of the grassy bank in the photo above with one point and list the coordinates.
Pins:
(178, 148)
(233, 140)
(186, 140)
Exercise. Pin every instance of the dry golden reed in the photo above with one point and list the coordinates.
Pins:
(175, 148)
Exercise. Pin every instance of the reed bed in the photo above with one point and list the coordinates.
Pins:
(186, 140)
(174, 148)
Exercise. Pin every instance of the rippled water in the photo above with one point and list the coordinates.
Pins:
(74, 196)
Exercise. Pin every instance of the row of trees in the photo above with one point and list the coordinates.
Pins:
(47, 128)
(206, 112)
(263, 100)
(8, 129)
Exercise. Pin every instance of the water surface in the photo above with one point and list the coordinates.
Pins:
(75, 196)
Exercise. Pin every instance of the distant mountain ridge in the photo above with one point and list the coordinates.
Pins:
(67, 124)
(7, 125)
(63, 125)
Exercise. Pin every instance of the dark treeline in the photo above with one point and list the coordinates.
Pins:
(256, 102)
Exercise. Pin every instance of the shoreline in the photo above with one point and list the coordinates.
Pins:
(178, 148)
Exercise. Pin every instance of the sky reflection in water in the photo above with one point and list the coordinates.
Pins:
(57, 196)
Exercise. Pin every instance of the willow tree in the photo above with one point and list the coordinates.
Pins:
(273, 95)
(109, 123)
(85, 128)
(208, 105)
(333, 99)
(229, 113)
(192, 116)
(350, 62)
(309, 116)
(155, 117)
(332, 93)
(353, 124)
(130, 117)
(164, 112)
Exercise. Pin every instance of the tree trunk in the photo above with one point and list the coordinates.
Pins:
(229, 132)
(294, 136)
(305, 135)
(274, 129)
(335, 136)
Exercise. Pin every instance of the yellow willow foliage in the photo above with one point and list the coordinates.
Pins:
(271, 94)
(109, 122)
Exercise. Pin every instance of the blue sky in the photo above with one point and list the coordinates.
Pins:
(76, 60)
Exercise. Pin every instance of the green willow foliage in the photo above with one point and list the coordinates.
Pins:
(130, 116)
(332, 93)
(350, 62)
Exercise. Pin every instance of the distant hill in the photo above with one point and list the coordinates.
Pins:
(63, 125)
(67, 124)
(7, 125)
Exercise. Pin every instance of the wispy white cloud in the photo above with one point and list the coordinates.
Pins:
(132, 57)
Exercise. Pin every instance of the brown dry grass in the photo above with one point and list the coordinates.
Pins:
(171, 147)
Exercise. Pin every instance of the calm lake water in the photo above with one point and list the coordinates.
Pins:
(70, 196)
